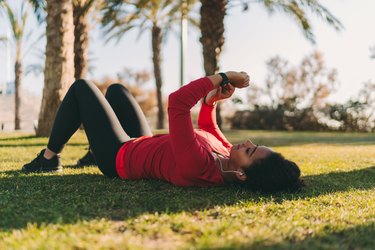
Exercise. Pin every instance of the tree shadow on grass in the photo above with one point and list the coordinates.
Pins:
(25, 137)
(268, 138)
(54, 198)
(59, 198)
(359, 179)
(284, 138)
(358, 237)
(30, 141)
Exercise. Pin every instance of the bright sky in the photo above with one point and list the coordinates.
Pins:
(252, 38)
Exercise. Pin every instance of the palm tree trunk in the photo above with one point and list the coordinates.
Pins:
(212, 39)
(212, 29)
(17, 83)
(59, 66)
(81, 41)
(156, 59)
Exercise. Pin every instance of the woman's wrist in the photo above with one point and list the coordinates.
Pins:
(231, 76)
(238, 79)
(208, 101)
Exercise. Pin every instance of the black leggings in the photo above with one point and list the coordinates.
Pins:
(108, 121)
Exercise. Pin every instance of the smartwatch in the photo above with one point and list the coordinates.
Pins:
(225, 81)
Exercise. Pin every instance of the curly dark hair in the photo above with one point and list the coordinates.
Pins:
(272, 174)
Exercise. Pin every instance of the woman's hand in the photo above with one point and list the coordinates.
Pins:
(238, 79)
(219, 94)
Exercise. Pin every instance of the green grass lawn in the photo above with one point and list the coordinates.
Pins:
(82, 209)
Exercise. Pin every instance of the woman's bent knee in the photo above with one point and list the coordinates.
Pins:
(82, 85)
(81, 82)
(115, 88)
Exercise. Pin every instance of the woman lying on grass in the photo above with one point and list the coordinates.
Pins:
(124, 146)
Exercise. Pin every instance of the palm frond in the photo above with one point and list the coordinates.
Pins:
(118, 33)
(298, 10)
(168, 3)
(82, 8)
(25, 15)
(118, 18)
(28, 35)
(324, 13)
(12, 20)
(292, 8)
(36, 69)
(174, 14)
(88, 5)
(141, 31)
(33, 44)
(40, 9)
(141, 14)
(194, 22)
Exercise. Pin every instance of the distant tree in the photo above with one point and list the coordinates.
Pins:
(120, 16)
(293, 96)
(212, 28)
(307, 85)
(367, 95)
(357, 114)
(133, 82)
(59, 66)
(18, 24)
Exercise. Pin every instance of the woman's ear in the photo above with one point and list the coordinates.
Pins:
(241, 177)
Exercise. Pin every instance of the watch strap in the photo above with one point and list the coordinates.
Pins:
(225, 81)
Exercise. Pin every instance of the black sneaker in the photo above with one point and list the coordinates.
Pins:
(87, 160)
(41, 164)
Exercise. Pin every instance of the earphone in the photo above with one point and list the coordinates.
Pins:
(228, 171)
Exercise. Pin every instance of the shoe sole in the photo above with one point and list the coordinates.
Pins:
(85, 165)
(54, 170)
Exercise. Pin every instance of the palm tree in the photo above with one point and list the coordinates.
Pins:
(81, 9)
(18, 24)
(157, 16)
(212, 29)
(212, 24)
(59, 65)
(212, 39)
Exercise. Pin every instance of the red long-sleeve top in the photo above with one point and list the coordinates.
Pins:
(184, 156)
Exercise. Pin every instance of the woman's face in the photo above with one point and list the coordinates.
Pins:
(244, 154)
